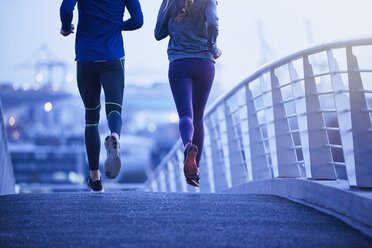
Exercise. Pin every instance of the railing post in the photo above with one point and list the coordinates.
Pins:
(176, 168)
(287, 161)
(300, 106)
(205, 184)
(320, 155)
(154, 185)
(342, 103)
(237, 165)
(258, 162)
(171, 177)
(162, 182)
(361, 174)
(269, 122)
(181, 176)
(219, 169)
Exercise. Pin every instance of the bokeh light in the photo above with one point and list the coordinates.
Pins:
(16, 135)
(48, 106)
(36, 87)
(26, 86)
(151, 127)
(55, 87)
(173, 118)
(39, 77)
(69, 77)
(11, 121)
(16, 86)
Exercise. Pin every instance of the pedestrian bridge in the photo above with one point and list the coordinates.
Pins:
(286, 151)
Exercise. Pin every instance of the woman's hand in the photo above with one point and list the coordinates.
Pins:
(217, 54)
(66, 33)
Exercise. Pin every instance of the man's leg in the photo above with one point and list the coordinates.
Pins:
(112, 80)
(90, 90)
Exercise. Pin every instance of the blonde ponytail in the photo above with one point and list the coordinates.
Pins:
(185, 10)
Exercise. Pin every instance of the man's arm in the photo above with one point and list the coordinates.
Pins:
(161, 29)
(136, 17)
(66, 14)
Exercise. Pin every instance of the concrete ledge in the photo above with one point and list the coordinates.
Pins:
(333, 195)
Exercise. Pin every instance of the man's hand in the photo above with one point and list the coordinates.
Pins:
(218, 54)
(66, 33)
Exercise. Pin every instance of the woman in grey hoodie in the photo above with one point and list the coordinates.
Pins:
(192, 26)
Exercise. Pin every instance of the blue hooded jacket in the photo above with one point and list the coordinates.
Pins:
(98, 36)
(192, 37)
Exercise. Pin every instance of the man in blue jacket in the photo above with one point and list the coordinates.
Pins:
(100, 63)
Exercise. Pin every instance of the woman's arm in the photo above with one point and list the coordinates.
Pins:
(212, 26)
(66, 10)
(161, 29)
(136, 17)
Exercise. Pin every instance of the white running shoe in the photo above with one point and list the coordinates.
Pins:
(112, 163)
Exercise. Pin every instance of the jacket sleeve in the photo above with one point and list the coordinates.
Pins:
(66, 13)
(161, 28)
(136, 17)
(212, 25)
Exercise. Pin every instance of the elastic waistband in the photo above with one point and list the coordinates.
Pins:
(101, 61)
(192, 59)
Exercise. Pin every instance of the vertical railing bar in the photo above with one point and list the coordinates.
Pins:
(342, 104)
(359, 175)
(286, 157)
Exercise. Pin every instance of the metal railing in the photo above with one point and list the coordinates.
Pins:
(7, 180)
(305, 115)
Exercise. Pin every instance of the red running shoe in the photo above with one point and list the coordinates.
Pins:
(190, 168)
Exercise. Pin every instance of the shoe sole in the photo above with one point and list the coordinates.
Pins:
(112, 162)
(97, 192)
(192, 183)
(190, 168)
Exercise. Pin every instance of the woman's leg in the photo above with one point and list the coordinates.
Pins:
(181, 86)
(90, 91)
(203, 79)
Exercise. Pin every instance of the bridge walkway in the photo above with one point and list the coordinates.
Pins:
(144, 219)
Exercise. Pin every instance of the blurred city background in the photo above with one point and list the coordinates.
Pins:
(44, 115)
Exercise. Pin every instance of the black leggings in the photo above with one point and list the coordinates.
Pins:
(91, 76)
(191, 81)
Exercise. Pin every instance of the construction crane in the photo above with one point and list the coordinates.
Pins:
(41, 61)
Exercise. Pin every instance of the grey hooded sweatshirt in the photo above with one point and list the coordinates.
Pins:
(195, 35)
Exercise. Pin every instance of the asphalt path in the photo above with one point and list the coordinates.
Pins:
(144, 219)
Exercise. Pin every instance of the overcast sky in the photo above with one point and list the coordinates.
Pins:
(251, 32)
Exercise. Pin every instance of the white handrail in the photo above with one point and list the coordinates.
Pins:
(294, 56)
(285, 129)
